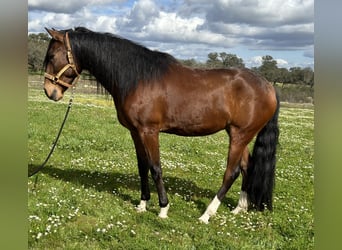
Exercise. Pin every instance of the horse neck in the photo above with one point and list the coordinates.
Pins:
(119, 64)
(94, 61)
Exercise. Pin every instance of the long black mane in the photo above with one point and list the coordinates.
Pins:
(117, 63)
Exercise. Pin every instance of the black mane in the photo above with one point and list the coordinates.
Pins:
(117, 63)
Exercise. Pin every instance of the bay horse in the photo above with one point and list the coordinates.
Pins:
(154, 93)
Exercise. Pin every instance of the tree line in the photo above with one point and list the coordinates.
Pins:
(268, 68)
(38, 43)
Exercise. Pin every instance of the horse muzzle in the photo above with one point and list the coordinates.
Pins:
(53, 93)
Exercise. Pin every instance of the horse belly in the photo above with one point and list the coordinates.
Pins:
(195, 119)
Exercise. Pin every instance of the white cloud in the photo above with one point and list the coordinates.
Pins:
(69, 6)
(58, 19)
(259, 24)
(104, 23)
(190, 28)
(256, 24)
(142, 13)
(261, 12)
(281, 63)
(255, 61)
(172, 26)
(144, 10)
(58, 6)
(34, 25)
(83, 17)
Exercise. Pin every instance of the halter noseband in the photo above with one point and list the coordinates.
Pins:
(56, 78)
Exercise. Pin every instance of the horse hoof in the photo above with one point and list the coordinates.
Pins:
(141, 207)
(163, 212)
(204, 219)
(163, 216)
(237, 210)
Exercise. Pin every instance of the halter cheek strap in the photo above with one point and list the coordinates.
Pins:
(56, 78)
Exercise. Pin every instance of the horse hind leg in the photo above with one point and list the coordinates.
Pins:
(243, 202)
(229, 177)
(236, 149)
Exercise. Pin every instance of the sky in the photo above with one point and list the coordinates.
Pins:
(191, 29)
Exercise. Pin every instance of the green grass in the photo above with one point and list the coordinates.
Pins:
(85, 197)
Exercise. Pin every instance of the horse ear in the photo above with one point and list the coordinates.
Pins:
(55, 34)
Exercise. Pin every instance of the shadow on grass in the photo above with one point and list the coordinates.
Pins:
(116, 181)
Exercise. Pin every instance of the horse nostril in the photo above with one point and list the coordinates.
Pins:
(54, 95)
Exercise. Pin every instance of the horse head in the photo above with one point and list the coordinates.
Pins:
(61, 71)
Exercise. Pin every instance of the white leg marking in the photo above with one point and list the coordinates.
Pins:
(211, 210)
(242, 204)
(163, 211)
(142, 206)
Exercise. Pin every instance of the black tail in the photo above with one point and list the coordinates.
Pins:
(261, 171)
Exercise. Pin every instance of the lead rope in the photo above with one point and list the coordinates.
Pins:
(55, 142)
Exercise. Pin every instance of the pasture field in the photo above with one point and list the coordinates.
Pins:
(85, 197)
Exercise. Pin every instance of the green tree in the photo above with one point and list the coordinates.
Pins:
(269, 68)
(283, 76)
(308, 76)
(192, 63)
(37, 46)
(213, 60)
(224, 60)
(297, 76)
(231, 60)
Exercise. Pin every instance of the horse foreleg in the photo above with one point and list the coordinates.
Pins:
(243, 200)
(231, 173)
(145, 189)
(163, 200)
(143, 172)
(147, 141)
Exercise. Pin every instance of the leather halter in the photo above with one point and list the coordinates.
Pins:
(56, 78)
